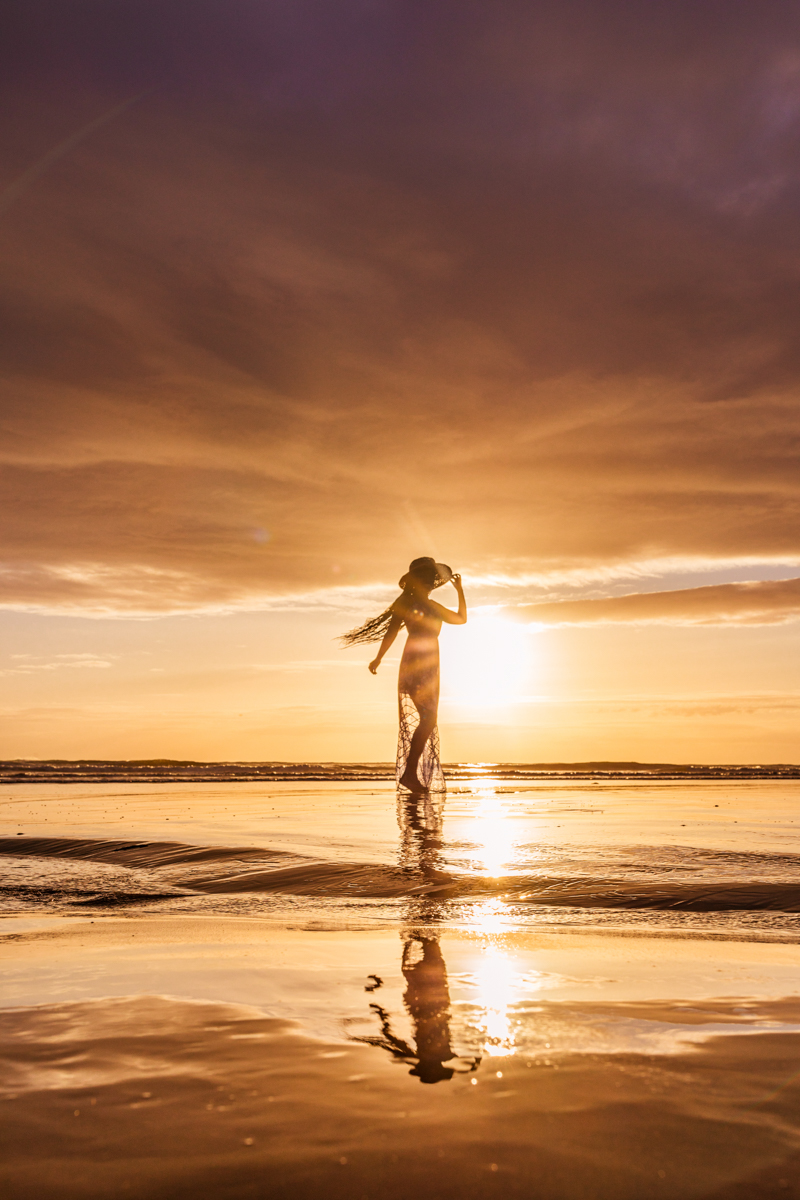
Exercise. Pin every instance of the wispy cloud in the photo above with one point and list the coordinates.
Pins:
(30, 664)
(352, 287)
(763, 602)
(311, 664)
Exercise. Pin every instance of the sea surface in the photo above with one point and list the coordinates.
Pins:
(650, 848)
(634, 927)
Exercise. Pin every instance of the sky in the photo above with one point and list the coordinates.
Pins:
(294, 291)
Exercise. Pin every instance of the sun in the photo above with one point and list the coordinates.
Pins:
(487, 663)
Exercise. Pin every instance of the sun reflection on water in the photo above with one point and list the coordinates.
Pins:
(496, 984)
(497, 995)
(493, 834)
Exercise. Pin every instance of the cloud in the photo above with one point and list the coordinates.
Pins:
(765, 602)
(312, 664)
(29, 664)
(511, 284)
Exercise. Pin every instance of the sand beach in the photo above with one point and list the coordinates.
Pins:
(306, 988)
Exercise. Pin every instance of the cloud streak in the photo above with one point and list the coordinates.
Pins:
(31, 664)
(13, 191)
(763, 602)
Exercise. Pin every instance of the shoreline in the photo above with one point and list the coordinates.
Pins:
(34, 771)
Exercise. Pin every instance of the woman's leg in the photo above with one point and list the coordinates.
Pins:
(427, 724)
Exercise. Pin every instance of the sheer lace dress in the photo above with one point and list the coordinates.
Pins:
(418, 691)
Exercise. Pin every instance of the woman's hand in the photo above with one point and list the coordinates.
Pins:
(456, 582)
(373, 666)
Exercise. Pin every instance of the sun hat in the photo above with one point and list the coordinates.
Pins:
(376, 628)
(443, 572)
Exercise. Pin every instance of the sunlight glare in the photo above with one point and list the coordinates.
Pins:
(499, 996)
(488, 662)
(493, 834)
(500, 988)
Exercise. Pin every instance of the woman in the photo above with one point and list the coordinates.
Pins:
(418, 767)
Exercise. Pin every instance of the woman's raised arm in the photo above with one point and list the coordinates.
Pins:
(446, 614)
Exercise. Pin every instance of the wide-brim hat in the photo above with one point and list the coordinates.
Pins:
(443, 572)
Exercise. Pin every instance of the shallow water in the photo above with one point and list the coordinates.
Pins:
(622, 852)
(637, 942)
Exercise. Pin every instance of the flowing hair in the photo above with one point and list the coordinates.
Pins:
(372, 630)
(427, 570)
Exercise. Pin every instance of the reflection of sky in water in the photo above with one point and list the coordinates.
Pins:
(500, 1007)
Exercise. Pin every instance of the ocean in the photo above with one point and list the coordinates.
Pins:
(569, 979)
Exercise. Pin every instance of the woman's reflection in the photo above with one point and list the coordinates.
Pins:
(426, 997)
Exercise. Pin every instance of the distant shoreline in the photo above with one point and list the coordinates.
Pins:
(14, 771)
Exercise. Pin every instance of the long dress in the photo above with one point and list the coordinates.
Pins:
(418, 692)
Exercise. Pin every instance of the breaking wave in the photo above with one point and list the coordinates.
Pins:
(175, 771)
(183, 869)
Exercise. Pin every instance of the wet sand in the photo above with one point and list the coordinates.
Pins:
(332, 1004)
(166, 1098)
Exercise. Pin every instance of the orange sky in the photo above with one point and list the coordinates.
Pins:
(348, 282)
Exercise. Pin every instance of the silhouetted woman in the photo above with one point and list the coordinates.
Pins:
(418, 766)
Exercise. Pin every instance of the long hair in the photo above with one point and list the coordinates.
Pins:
(428, 571)
(373, 630)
